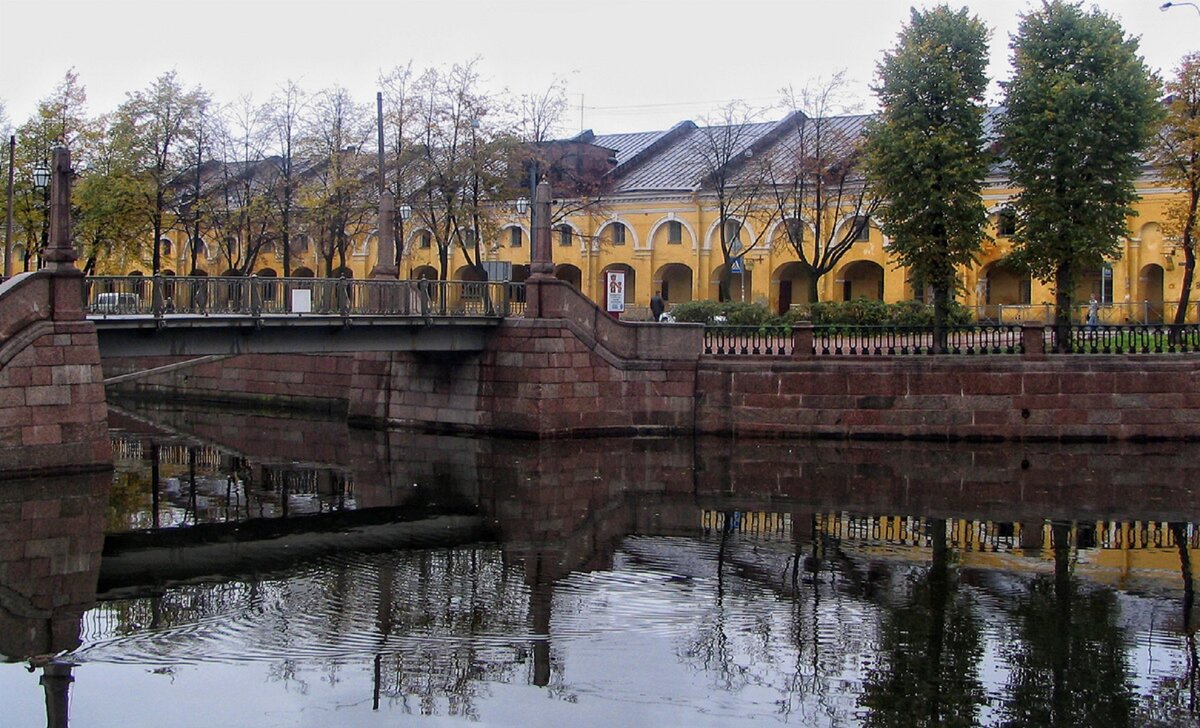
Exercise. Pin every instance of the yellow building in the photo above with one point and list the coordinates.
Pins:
(658, 223)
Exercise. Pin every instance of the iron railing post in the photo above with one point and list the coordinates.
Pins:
(156, 296)
(255, 296)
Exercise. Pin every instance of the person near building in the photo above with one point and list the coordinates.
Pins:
(657, 306)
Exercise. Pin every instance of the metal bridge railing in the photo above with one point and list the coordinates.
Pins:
(159, 296)
(1135, 339)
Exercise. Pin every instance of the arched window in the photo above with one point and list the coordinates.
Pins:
(164, 244)
(564, 235)
(862, 228)
(515, 236)
(1006, 222)
(617, 236)
(674, 232)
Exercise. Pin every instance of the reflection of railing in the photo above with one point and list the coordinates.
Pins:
(961, 534)
(258, 296)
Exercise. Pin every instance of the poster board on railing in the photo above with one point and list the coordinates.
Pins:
(302, 300)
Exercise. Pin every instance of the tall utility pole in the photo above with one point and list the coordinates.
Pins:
(8, 266)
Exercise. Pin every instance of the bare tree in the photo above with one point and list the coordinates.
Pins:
(815, 179)
(244, 190)
(286, 109)
(337, 131)
(401, 103)
(460, 164)
(722, 147)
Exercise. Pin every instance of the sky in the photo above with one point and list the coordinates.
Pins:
(628, 65)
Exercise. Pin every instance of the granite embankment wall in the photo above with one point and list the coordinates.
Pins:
(52, 405)
(569, 370)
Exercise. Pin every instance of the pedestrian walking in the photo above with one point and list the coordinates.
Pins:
(1093, 316)
(657, 306)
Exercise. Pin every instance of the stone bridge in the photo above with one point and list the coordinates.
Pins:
(562, 369)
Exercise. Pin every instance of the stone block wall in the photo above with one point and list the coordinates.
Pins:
(1001, 398)
(573, 372)
(313, 382)
(52, 408)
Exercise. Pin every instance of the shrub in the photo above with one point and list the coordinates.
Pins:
(696, 312)
(864, 312)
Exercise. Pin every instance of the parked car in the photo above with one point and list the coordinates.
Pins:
(109, 303)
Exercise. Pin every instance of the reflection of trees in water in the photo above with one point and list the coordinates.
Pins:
(1067, 652)
(443, 624)
(926, 671)
(1172, 699)
(777, 620)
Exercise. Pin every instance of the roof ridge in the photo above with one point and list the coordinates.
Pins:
(653, 148)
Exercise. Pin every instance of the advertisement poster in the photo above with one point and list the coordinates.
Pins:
(616, 291)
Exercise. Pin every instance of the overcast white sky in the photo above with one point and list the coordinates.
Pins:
(631, 64)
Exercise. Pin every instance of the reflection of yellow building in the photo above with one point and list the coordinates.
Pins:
(659, 225)
(1123, 554)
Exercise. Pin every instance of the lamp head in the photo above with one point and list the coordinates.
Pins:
(41, 176)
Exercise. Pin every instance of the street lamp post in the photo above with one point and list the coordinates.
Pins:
(41, 183)
(1168, 5)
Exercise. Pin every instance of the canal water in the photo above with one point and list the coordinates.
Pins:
(246, 569)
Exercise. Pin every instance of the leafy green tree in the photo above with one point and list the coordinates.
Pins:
(925, 151)
(153, 124)
(1176, 154)
(108, 223)
(1080, 108)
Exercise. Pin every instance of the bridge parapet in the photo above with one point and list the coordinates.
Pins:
(163, 296)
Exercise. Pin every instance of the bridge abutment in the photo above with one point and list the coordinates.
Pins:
(53, 416)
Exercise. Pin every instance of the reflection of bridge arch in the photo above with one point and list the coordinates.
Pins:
(674, 282)
(861, 279)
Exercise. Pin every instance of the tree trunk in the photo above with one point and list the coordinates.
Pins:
(941, 309)
(1063, 281)
(1189, 263)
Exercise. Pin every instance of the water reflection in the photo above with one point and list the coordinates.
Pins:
(635, 581)
(51, 535)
